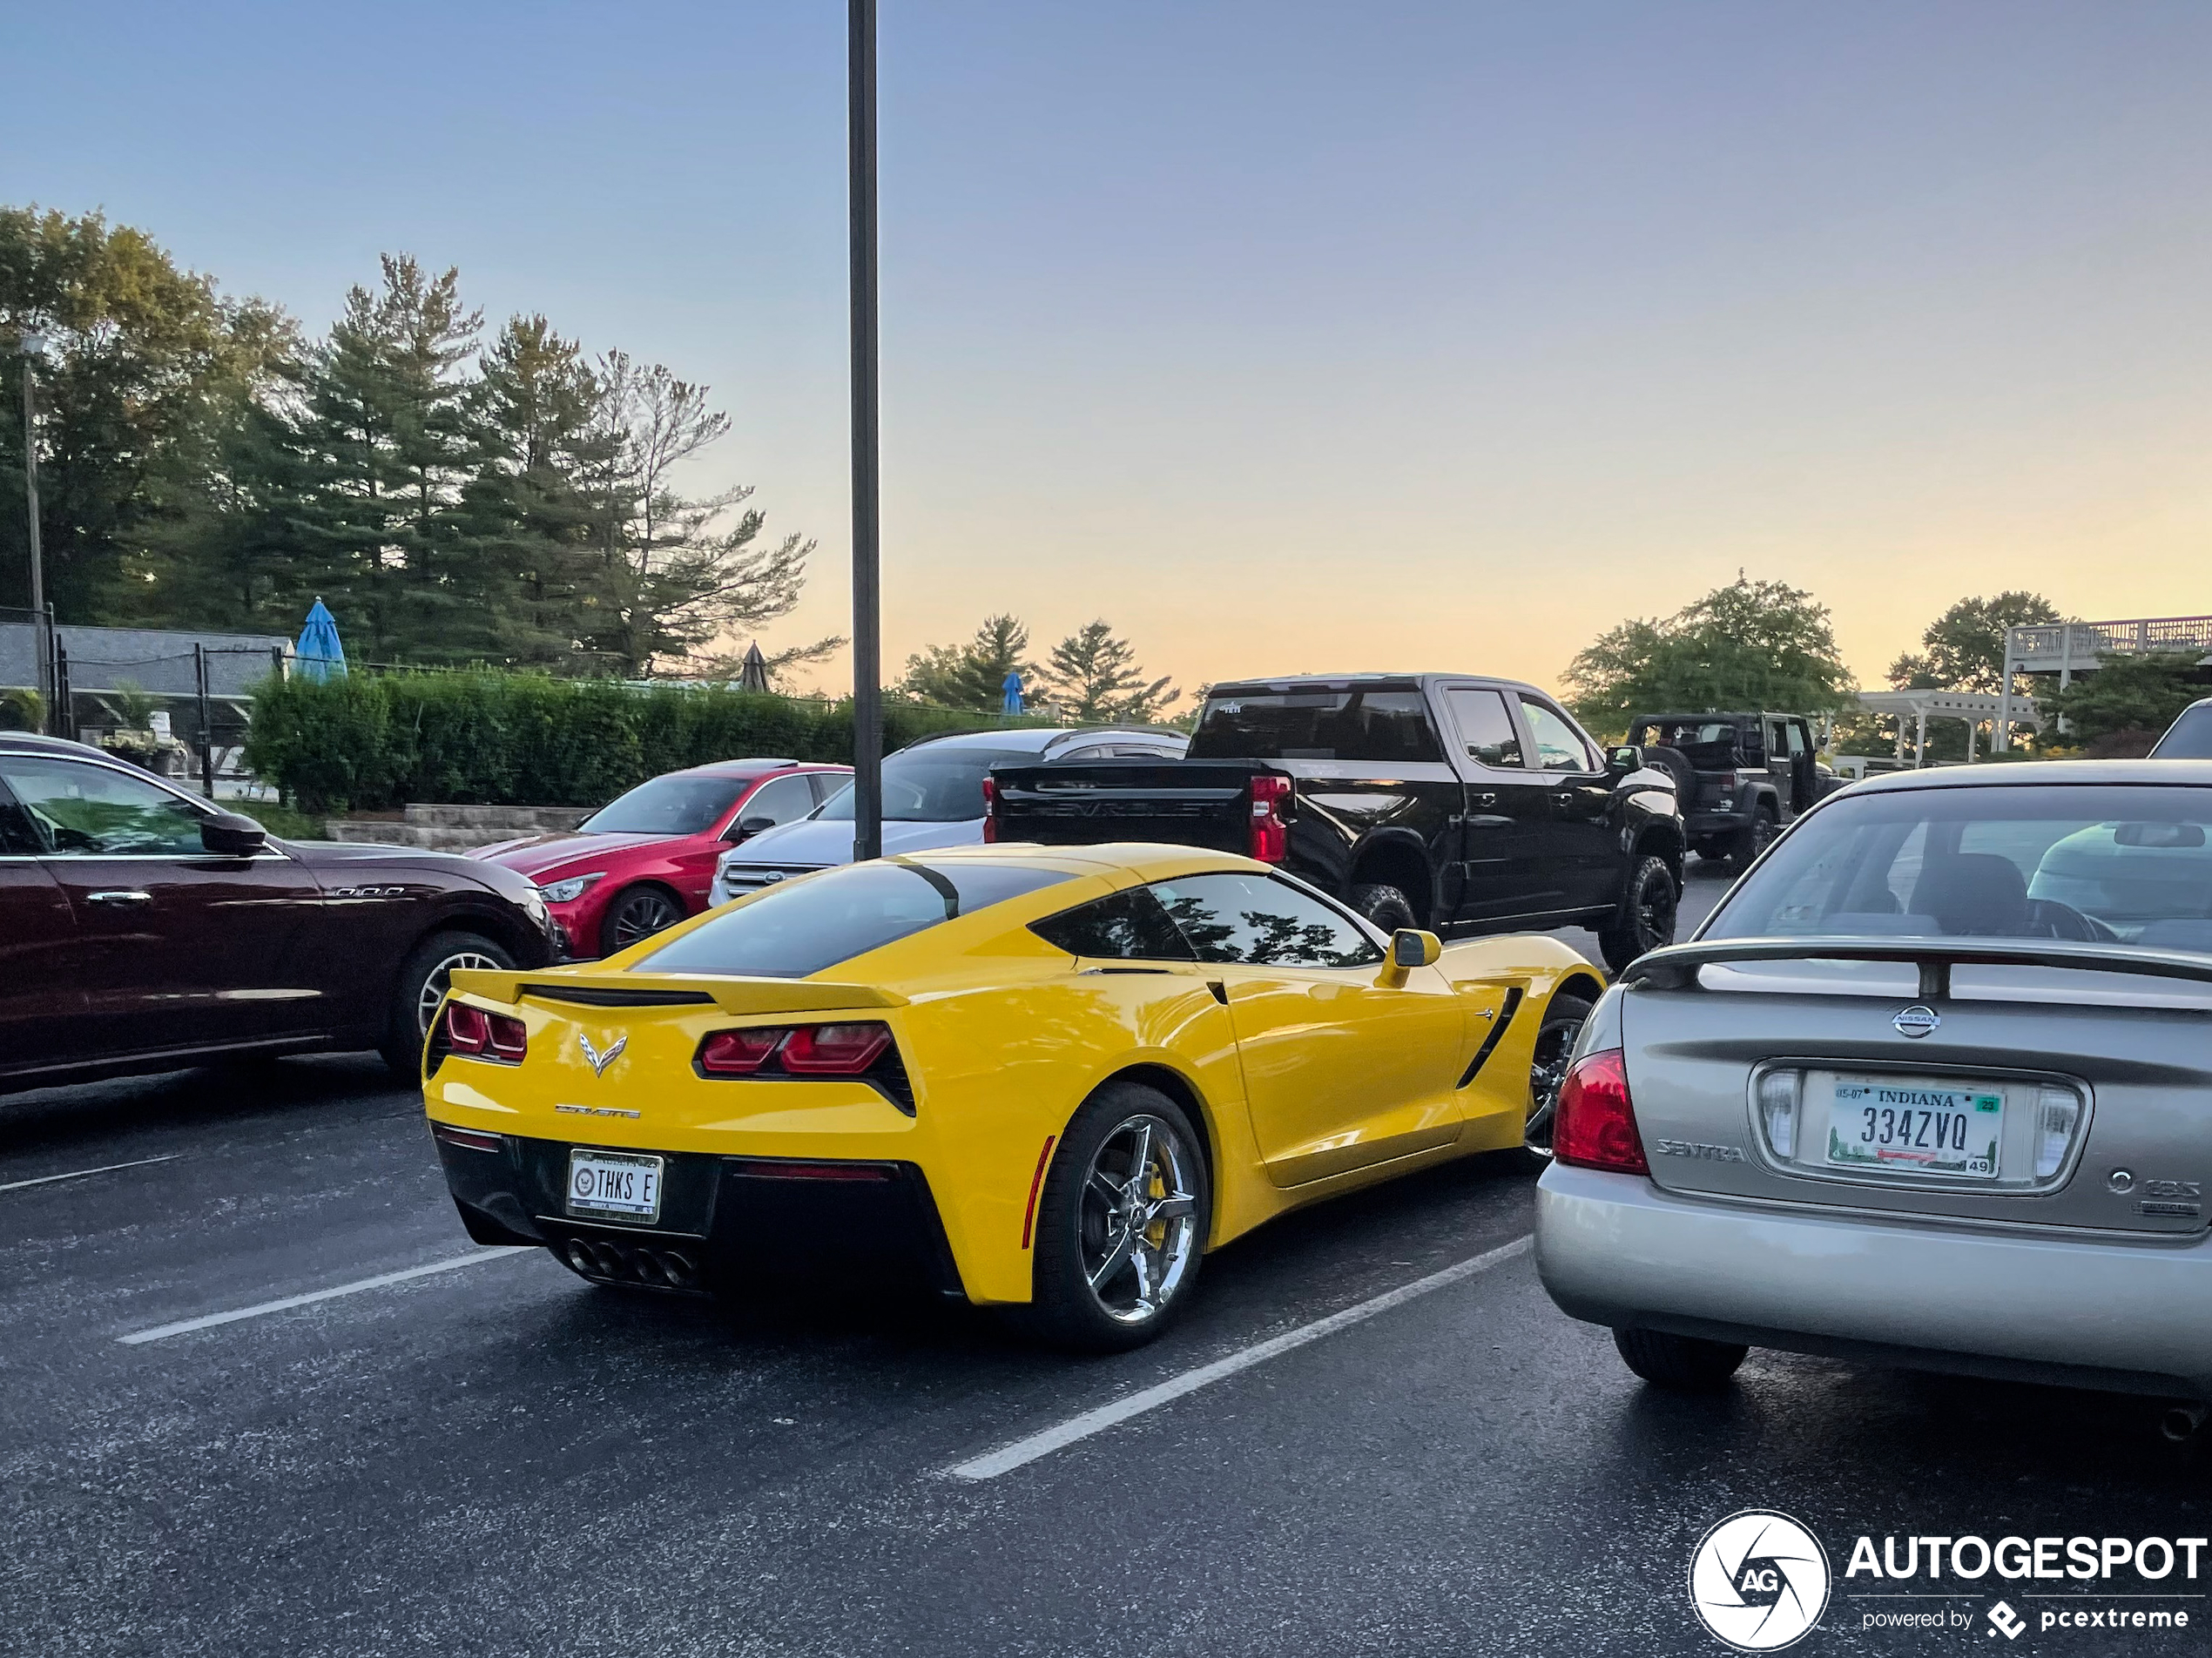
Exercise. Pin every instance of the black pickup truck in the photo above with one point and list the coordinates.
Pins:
(1446, 801)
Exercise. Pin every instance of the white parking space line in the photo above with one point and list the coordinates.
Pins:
(79, 1174)
(185, 1326)
(1022, 1452)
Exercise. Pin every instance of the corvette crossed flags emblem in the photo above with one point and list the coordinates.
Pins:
(598, 1060)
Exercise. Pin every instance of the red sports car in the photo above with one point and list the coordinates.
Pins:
(644, 860)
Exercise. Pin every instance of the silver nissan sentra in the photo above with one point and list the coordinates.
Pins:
(1931, 1087)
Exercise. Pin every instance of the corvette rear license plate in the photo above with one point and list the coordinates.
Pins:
(621, 1184)
(1899, 1126)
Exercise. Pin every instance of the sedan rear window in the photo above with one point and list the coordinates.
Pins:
(792, 931)
(2110, 864)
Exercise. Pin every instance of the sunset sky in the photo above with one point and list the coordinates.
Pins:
(1286, 336)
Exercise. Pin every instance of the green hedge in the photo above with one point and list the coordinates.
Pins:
(370, 742)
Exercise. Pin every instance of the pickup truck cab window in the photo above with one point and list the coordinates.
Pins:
(1558, 746)
(1262, 922)
(1485, 727)
(1359, 723)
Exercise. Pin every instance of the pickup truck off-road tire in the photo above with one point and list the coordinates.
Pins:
(1387, 907)
(422, 984)
(1646, 918)
(1753, 838)
(1121, 1223)
(1684, 1364)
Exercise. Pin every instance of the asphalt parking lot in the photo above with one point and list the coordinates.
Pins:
(491, 1457)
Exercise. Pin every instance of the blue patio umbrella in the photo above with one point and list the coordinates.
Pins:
(319, 655)
(1012, 687)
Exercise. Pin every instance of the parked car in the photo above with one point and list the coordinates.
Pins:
(141, 928)
(1434, 800)
(1039, 1079)
(1930, 1087)
(1740, 776)
(932, 796)
(646, 859)
(2189, 738)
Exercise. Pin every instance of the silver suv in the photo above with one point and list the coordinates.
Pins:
(1931, 1087)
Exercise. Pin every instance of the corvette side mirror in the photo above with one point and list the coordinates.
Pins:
(1411, 947)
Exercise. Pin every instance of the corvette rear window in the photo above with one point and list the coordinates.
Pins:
(805, 926)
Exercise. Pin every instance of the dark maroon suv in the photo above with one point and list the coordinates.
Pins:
(142, 929)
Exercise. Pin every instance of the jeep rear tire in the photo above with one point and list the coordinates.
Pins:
(1754, 838)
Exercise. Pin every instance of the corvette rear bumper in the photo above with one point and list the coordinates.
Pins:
(726, 1224)
(2094, 1311)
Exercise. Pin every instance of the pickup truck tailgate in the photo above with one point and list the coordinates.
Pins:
(1185, 803)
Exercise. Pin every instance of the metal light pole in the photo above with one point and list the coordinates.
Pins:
(31, 345)
(868, 597)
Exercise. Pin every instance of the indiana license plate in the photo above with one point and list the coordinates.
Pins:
(622, 1185)
(1899, 1126)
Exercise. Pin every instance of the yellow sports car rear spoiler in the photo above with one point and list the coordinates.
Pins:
(732, 995)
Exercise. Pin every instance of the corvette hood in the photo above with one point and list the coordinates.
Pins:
(815, 842)
(541, 854)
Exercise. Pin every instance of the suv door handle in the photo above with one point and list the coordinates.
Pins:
(118, 896)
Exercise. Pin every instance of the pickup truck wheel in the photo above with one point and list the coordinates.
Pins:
(1387, 907)
(422, 986)
(1683, 1364)
(1564, 1017)
(1120, 1223)
(1754, 836)
(1646, 918)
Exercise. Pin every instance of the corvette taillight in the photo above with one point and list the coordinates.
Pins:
(1595, 1124)
(990, 813)
(1271, 834)
(482, 1035)
(807, 1050)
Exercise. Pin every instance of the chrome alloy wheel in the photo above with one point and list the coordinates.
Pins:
(1139, 1219)
(641, 914)
(1547, 1075)
(441, 979)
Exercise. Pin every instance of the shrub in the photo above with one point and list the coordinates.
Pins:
(22, 710)
(370, 742)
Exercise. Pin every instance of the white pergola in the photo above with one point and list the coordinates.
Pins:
(1922, 706)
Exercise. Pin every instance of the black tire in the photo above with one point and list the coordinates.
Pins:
(1646, 918)
(1753, 838)
(422, 984)
(1676, 764)
(1682, 1364)
(1387, 907)
(1564, 1017)
(1077, 1213)
(635, 915)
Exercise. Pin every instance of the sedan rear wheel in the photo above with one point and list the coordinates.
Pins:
(1682, 1364)
(1121, 1223)
(1564, 1017)
(637, 916)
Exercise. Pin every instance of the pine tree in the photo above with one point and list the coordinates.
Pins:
(973, 676)
(1094, 677)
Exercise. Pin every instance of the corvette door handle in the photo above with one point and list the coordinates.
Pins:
(121, 895)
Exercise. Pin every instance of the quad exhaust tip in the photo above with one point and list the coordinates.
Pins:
(661, 1269)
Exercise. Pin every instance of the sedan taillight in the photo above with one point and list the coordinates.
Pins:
(1270, 842)
(479, 1034)
(1595, 1125)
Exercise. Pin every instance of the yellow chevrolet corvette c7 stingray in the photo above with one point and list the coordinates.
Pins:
(1049, 1078)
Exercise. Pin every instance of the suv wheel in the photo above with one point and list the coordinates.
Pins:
(1387, 907)
(423, 979)
(1646, 918)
